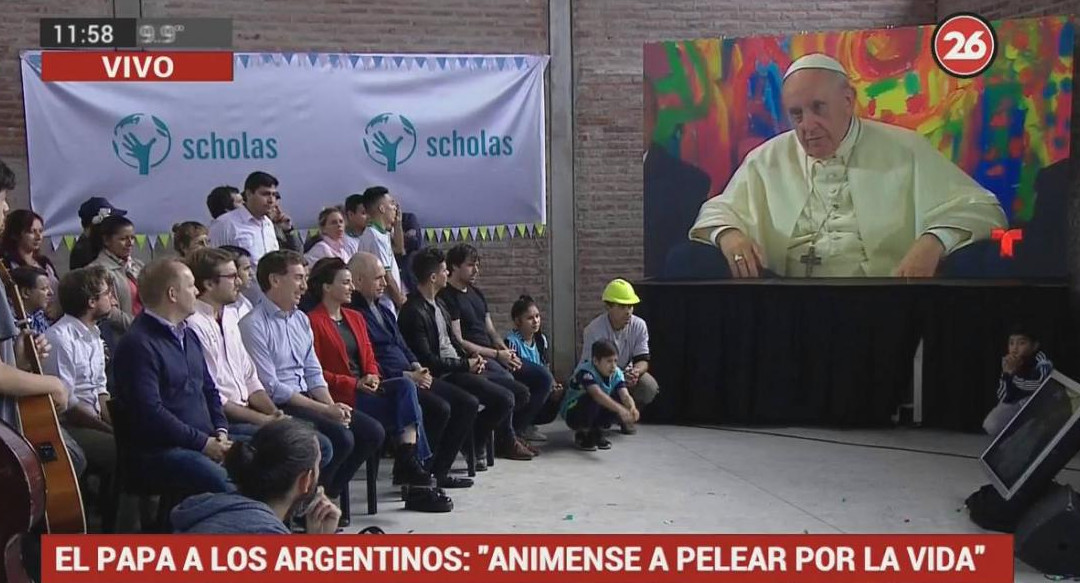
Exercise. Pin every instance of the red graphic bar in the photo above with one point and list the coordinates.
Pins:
(528, 559)
(136, 66)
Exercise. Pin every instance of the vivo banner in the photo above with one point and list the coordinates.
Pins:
(459, 140)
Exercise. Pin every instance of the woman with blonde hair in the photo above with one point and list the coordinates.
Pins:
(332, 237)
(189, 236)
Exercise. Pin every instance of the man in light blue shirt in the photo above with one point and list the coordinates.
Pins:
(279, 340)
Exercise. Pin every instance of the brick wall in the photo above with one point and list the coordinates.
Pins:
(438, 26)
(18, 31)
(608, 37)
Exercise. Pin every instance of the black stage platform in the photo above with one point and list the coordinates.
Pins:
(840, 352)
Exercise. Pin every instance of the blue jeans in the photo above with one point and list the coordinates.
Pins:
(352, 445)
(540, 383)
(245, 431)
(182, 469)
(397, 408)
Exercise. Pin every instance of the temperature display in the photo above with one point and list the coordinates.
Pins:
(188, 33)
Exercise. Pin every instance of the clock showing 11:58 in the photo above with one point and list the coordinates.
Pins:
(98, 33)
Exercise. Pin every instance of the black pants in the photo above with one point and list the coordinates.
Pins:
(498, 402)
(588, 414)
(352, 445)
(449, 415)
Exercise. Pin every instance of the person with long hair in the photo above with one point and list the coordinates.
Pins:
(189, 236)
(21, 241)
(276, 475)
(352, 373)
(529, 342)
(332, 242)
(112, 242)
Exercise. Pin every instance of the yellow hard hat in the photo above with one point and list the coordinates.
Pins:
(619, 291)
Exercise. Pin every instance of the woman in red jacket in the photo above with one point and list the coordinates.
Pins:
(352, 373)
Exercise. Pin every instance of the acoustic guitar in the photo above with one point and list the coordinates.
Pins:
(41, 427)
(22, 488)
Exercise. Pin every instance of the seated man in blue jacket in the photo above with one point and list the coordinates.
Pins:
(179, 431)
(449, 411)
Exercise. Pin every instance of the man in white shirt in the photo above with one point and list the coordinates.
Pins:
(249, 226)
(383, 217)
(78, 360)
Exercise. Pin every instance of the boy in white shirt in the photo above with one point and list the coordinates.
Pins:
(384, 217)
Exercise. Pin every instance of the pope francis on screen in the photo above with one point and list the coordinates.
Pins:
(840, 196)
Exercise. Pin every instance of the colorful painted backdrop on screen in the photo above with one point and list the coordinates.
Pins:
(720, 98)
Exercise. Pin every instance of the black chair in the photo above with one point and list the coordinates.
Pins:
(127, 481)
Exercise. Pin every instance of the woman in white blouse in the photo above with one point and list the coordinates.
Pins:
(332, 237)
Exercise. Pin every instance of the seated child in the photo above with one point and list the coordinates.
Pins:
(1023, 369)
(531, 345)
(598, 397)
(37, 295)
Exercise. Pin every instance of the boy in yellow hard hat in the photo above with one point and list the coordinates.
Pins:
(630, 336)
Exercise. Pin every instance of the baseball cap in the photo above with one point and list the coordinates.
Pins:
(94, 206)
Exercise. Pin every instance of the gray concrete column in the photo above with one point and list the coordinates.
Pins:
(561, 184)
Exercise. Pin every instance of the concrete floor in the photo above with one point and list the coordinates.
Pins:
(669, 479)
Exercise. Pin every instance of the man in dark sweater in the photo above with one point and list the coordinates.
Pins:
(449, 411)
(425, 325)
(178, 430)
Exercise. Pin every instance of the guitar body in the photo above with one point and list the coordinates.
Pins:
(37, 415)
(22, 488)
(63, 501)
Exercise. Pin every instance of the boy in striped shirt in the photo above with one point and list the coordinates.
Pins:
(1023, 370)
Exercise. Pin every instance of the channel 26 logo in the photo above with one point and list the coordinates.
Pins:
(964, 45)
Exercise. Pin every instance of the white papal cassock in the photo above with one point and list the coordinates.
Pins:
(861, 209)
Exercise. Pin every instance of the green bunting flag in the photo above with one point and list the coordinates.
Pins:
(140, 240)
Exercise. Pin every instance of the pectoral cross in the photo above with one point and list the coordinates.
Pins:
(810, 259)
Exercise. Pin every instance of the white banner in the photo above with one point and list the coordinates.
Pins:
(459, 140)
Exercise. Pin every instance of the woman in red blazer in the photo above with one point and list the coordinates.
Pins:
(352, 373)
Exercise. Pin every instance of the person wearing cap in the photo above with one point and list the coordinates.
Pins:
(840, 196)
(630, 336)
(91, 213)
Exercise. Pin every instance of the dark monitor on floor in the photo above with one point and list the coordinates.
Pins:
(1039, 441)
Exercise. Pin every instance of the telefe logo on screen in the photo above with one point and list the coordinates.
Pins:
(391, 139)
(143, 142)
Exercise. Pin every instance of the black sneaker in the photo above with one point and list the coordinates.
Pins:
(584, 441)
(451, 482)
(600, 441)
(428, 500)
(407, 469)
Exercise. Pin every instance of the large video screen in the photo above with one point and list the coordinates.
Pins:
(870, 158)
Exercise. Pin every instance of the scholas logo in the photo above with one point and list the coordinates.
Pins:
(215, 147)
(391, 139)
(478, 146)
(143, 142)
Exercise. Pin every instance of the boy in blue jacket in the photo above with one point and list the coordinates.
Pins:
(597, 397)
